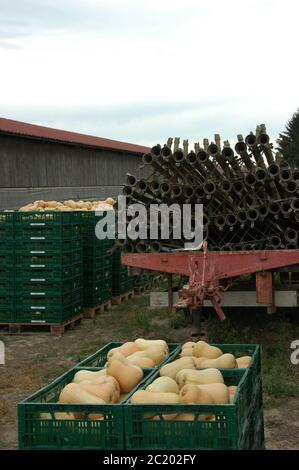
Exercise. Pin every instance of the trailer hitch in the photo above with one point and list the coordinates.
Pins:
(199, 288)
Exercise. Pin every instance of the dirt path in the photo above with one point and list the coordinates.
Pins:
(36, 359)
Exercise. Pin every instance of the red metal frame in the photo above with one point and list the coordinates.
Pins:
(212, 272)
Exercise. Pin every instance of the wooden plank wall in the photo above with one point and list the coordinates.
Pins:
(32, 169)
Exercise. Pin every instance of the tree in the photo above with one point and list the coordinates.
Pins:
(288, 142)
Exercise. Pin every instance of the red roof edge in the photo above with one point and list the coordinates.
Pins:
(40, 132)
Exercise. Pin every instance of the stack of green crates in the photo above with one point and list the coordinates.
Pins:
(97, 262)
(121, 281)
(7, 270)
(41, 266)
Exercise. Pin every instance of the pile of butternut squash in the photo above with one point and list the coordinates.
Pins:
(141, 352)
(69, 205)
(122, 373)
(181, 383)
(206, 355)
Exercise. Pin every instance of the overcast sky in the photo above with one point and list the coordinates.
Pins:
(141, 71)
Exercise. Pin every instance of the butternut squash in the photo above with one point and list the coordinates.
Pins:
(127, 376)
(105, 379)
(203, 349)
(142, 397)
(126, 349)
(143, 362)
(198, 377)
(186, 352)
(168, 417)
(243, 362)
(188, 345)
(232, 392)
(139, 361)
(193, 417)
(73, 393)
(117, 355)
(88, 375)
(226, 361)
(105, 391)
(62, 415)
(57, 415)
(185, 417)
(195, 394)
(171, 369)
(157, 355)
(123, 397)
(44, 415)
(162, 385)
(148, 343)
(218, 391)
(199, 361)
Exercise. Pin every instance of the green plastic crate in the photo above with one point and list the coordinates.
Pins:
(253, 379)
(42, 247)
(97, 275)
(56, 315)
(7, 313)
(47, 260)
(48, 287)
(36, 433)
(97, 263)
(6, 225)
(47, 218)
(233, 426)
(96, 251)
(118, 278)
(7, 259)
(91, 300)
(7, 274)
(7, 288)
(99, 358)
(48, 233)
(48, 274)
(95, 287)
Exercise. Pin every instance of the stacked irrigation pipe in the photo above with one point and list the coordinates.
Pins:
(250, 195)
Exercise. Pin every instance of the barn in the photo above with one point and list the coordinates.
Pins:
(39, 162)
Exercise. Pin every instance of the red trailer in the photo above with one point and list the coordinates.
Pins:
(211, 273)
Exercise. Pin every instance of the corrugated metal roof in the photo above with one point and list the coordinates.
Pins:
(40, 132)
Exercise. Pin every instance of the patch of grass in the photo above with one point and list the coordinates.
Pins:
(274, 333)
(178, 321)
(142, 322)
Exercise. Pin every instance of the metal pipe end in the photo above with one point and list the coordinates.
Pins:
(250, 140)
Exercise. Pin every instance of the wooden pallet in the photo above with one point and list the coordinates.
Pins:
(91, 312)
(141, 289)
(118, 299)
(56, 329)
